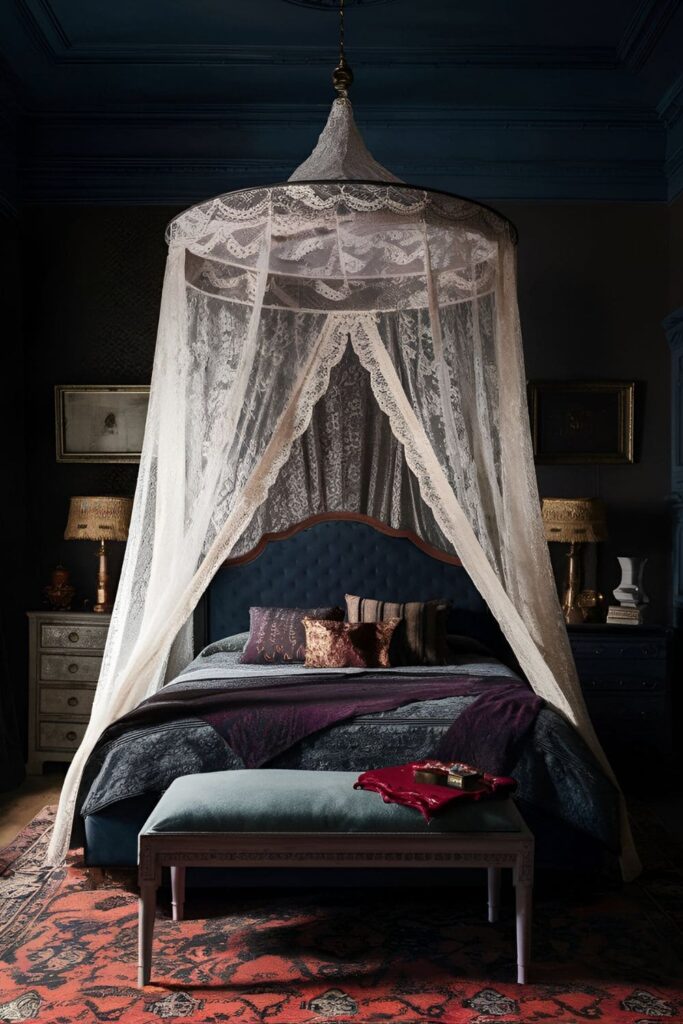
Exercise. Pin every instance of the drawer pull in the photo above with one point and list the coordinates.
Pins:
(73, 668)
(72, 702)
(71, 735)
(74, 637)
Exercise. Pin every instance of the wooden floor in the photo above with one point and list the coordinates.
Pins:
(20, 805)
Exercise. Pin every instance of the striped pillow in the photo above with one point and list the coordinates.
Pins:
(424, 640)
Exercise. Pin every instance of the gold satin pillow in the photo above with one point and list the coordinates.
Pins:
(332, 644)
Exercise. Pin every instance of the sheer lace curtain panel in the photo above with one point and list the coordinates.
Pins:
(335, 345)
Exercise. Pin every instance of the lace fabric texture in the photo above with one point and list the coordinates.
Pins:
(337, 346)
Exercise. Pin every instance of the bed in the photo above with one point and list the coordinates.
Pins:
(565, 797)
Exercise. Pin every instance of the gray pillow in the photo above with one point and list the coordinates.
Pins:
(228, 645)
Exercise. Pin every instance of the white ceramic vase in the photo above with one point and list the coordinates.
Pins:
(630, 591)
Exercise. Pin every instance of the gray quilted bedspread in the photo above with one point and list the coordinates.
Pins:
(556, 773)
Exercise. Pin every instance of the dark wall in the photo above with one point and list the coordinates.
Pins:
(593, 291)
(18, 551)
(91, 309)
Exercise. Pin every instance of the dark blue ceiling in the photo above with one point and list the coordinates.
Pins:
(170, 100)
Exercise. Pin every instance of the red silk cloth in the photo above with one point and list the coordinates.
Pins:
(397, 785)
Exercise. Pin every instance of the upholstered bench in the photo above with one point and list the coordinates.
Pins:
(278, 818)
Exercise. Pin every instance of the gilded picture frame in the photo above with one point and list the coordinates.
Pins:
(100, 422)
(579, 422)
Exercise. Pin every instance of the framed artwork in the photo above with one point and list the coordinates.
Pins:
(578, 421)
(99, 422)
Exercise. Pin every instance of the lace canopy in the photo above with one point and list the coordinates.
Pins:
(339, 342)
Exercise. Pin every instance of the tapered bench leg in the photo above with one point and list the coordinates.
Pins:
(523, 896)
(178, 892)
(494, 893)
(147, 906)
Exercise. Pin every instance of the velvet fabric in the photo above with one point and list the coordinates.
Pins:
(490, 734)
(277, 635)
(348, 644)
(397, 785)
(294, 801)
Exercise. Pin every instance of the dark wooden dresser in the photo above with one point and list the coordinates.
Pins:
(626, 676)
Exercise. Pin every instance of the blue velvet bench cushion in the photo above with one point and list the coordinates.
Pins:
(282, 800)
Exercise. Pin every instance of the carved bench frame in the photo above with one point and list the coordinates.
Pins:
(491, 850)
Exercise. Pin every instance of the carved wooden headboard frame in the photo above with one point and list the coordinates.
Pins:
(355, 517)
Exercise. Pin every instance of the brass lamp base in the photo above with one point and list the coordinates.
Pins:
(572, 588)
(104, 602)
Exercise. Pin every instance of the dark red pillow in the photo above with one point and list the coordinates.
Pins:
(277, 635)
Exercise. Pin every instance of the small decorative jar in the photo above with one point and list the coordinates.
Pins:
(59, 593)
(593, 606)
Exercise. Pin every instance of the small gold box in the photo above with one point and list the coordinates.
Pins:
(463, 776)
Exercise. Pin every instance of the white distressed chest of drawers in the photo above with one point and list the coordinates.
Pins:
(65, 654)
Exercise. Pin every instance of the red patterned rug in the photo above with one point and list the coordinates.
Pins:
(68, 952)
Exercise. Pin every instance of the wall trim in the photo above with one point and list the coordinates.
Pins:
(284, 114)
(674, 173)
(155, 180)
(8, 207)
(47, 31)
(670, 106)
(644, 31)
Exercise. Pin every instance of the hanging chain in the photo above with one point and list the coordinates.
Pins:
(342, 76)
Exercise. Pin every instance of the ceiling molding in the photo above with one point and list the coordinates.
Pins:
(314, 116)
(670, 107)
(165, 181)
(8, 208)
(674, 174)
(333, 5)
(11, 93)
(644, 30)
(52, 39)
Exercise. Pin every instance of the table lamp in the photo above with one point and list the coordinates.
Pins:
(573, 521)
(99, 519)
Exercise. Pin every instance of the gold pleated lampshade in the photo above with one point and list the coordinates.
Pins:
(100, 518)
(574, 520)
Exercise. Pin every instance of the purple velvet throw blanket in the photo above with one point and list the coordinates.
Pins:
(261, 720)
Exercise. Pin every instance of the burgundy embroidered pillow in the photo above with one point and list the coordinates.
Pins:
(348, 644)
(277, 635)
(423, 637)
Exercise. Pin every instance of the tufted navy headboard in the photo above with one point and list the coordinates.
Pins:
(324, 561)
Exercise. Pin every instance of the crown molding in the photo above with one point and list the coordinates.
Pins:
(674, 173)
(8, 208)
(314, 116)
(164, 181)
(670, 107)
(644, 30)
(12, 103)
(50, 36)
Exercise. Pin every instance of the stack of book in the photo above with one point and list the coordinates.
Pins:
(626, 615)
